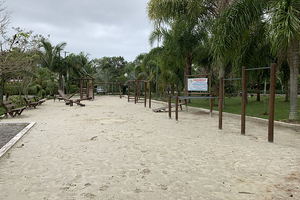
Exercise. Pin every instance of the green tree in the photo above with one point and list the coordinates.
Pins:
(114, 66)
(165, 12)
(283, 21)
(18, 56)
(43, 83)
(181, 42)
(53, 60)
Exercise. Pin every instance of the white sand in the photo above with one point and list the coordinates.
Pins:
(112, 149)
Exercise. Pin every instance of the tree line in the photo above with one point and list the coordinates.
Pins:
(221, 36)
(214, 37)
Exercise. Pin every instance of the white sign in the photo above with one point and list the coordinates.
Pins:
(197, 84)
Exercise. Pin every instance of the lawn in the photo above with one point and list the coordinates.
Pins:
(254, 108)
(1, 110)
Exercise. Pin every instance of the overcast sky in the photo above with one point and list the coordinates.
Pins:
(97, 27)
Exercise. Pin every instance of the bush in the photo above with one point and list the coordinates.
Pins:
(11, 89)
(15, 99)
(73, 88)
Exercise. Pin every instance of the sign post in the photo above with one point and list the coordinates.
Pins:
(197, 84)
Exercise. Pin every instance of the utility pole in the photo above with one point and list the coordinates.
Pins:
(66, 53)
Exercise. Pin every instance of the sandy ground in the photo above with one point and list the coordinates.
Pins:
(112, 149)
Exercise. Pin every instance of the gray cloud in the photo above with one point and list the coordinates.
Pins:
(98, 27)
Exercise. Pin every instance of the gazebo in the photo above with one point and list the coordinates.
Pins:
(87, 85)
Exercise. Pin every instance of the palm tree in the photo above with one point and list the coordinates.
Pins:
(162, 11)
(203, 11)
(283, 21)
(186, 37)
(53, 60)
(285, 27)
(43, 82)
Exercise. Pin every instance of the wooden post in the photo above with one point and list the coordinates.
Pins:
(149, 94)
(93, 83)
(81, 89)
(135, 92)
(244, 99)
(210, 106)
(87, 89)
(176, 107)
(145, 96)
(185, 86)
(128, 88)
(169, 101)
(223, 94)
(272, 102)
(120, 89)
(221, 103)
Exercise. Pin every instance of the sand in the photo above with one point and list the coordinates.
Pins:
(114, 149)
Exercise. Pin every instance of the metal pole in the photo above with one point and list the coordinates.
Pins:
(258, 68)
(271, 103)
(243, 114)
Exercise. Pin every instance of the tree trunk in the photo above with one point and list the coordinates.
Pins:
(2, 83)
(287, 91)
(178, 89)
(188, 68)
(60, 81)
(221, 69)
(188, 64)
(258, 89)
(293, 60)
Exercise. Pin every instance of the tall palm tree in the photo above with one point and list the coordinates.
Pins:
(43, 82)
(285, 32)
(52, 58)
(161, 11)
(185, 37)
(283, 20)
(165, 12)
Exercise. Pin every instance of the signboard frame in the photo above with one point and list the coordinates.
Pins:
(197, 84)
(197, 76)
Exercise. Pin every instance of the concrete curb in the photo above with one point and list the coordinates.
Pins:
(8, 145)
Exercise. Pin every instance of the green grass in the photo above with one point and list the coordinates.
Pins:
(1, 110)
(253, 108)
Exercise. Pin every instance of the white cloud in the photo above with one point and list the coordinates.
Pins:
(98, 27)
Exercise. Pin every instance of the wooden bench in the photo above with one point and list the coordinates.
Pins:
(38, 100)
(10, 108)
(29, 103)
